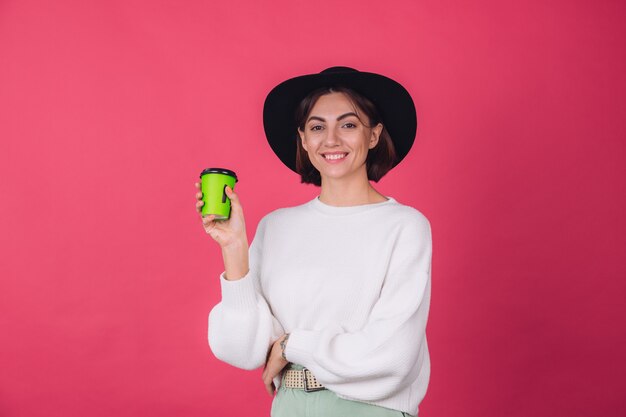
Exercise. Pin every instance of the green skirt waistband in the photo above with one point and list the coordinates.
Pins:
(296, 366)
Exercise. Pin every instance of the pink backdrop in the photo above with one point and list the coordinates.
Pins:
(110, 110)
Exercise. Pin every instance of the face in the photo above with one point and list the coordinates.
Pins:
(336, 141)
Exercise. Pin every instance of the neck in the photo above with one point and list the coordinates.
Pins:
(352, 191)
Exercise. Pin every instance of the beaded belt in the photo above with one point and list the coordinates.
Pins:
(301, 379)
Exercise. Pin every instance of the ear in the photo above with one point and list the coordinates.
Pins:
(376, 131)
(302, 141)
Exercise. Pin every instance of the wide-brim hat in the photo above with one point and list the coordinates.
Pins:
(393, 101)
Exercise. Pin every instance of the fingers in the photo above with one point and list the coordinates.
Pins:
(230, 193)
(234, 198)
(199, 193)
(211, 228)
(272, 369)
(199, 203)
(269, 384)
(267, 380)
(207, 220)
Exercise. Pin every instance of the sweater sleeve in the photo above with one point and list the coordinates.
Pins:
(241, 326)
(386, 355)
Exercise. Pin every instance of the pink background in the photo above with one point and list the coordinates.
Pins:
(110, 110)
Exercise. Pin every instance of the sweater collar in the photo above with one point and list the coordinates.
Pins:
(318, 205)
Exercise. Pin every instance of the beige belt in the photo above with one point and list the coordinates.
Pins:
(301, 379)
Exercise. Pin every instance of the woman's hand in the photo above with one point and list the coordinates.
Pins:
(273, 365)
(227, 233)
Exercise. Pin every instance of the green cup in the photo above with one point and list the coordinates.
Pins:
(213, 186)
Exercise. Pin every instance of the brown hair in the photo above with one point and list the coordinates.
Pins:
(380, 159)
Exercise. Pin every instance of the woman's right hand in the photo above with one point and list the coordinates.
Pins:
(229, 233)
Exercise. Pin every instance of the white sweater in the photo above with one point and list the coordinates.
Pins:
(352, 287)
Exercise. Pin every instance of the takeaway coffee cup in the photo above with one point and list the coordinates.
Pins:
(213, 182)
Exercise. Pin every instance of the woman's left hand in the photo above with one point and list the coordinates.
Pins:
(273, 365)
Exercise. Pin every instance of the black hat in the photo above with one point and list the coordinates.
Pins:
(392, 100)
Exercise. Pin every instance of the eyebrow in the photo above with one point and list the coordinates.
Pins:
(338, 118)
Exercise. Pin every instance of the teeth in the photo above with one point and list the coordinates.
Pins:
(336, 156)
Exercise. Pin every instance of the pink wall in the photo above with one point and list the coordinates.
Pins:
(110, 110)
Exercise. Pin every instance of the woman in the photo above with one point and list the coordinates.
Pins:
(332, 295)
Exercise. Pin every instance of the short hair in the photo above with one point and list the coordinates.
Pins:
(380, 159)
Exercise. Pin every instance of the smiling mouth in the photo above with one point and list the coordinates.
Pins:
(335, 156)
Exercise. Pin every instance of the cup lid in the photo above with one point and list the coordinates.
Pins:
(219, 171)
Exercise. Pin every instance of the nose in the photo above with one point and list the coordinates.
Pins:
(332, 138)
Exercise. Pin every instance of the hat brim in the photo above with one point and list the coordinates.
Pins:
(392, 100)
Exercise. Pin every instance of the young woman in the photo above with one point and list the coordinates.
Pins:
(333, 295)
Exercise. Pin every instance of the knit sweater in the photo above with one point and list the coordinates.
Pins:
(351, 285)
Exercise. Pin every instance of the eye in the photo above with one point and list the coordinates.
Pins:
(315, 127)
(350, 124)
